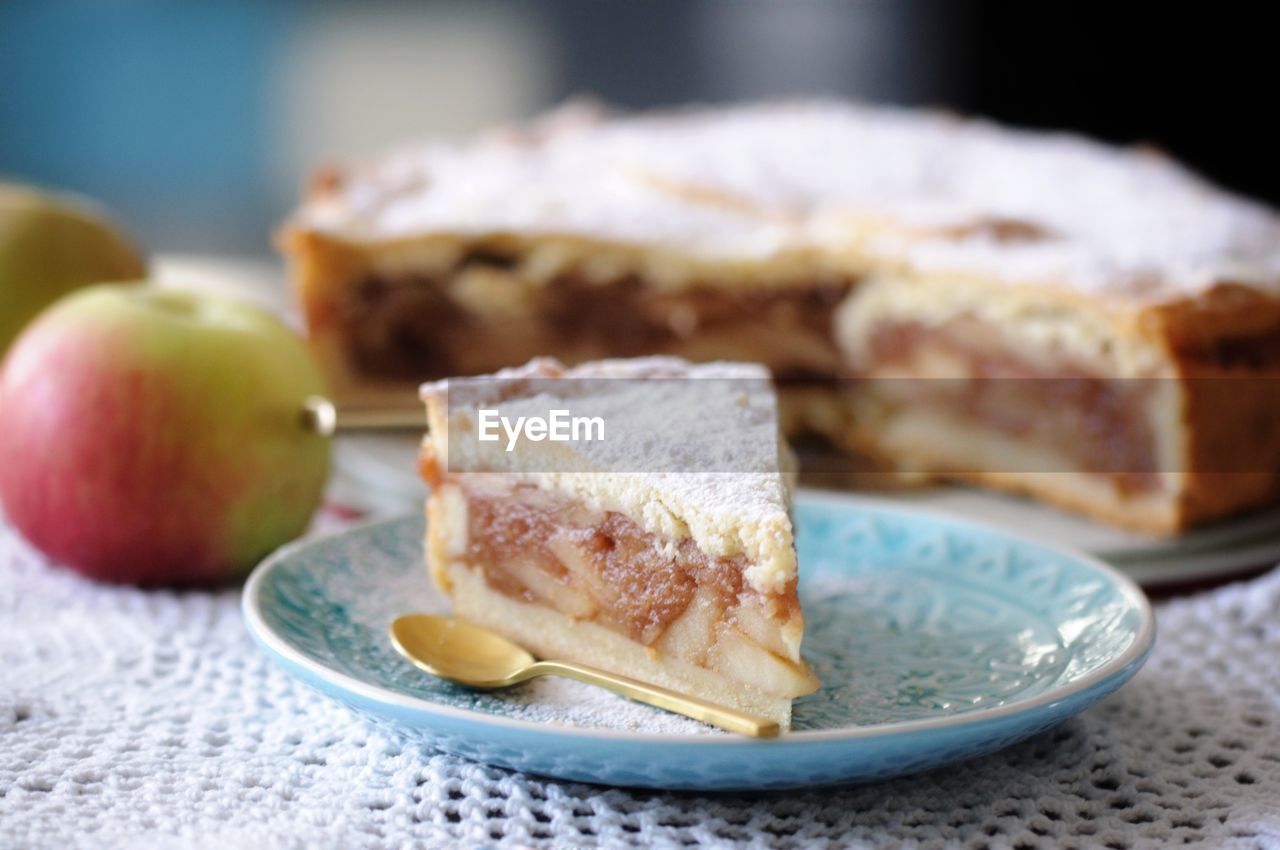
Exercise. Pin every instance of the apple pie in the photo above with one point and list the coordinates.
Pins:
(662, 550)
(1092, 326)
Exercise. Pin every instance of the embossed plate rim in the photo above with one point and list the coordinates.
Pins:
(1127, 661)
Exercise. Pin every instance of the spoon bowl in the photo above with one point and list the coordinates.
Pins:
(456, 650)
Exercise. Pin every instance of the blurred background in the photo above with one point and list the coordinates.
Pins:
(197, 121)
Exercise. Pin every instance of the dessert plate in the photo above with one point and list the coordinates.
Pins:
(936, 640)
(377, 473)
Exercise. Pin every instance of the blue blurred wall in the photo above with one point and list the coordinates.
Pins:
(156, 108)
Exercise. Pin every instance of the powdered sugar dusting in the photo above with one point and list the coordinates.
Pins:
(556, 700)
(867, 187)
(663, 414)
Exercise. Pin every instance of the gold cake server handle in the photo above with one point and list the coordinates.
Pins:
(321, 416)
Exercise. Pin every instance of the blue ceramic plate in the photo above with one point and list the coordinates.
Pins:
(935, 641)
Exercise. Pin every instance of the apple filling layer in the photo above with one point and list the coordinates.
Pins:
(545, 549)
(962, 373)
(484, 315)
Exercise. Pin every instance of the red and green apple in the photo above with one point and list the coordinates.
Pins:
(154, 437)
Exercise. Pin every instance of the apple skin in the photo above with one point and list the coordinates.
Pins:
(50, 245)
(154, 437)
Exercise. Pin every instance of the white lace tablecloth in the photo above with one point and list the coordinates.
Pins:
(137, 719)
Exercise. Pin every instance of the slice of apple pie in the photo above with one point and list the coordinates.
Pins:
(654, 541)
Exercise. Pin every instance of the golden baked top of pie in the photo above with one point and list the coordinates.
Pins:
(801, 189)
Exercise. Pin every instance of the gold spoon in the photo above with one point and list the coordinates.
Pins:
(478, 658)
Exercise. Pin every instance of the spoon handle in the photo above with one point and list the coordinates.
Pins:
(729, 719)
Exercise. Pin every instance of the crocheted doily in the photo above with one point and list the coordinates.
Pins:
(139, 719)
